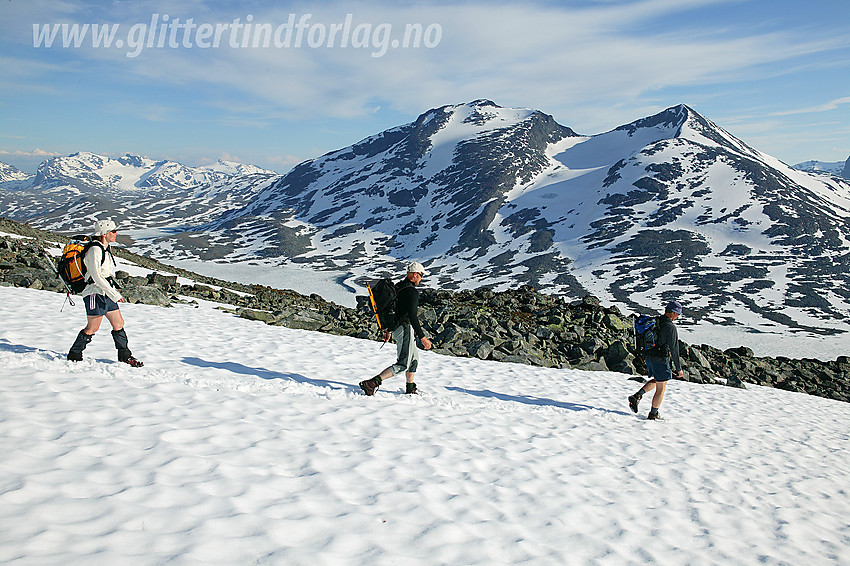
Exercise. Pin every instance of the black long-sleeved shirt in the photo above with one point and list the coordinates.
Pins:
(668, 336)
(407, 306)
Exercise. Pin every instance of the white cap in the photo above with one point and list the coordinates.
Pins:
(101, 227)
(416, 267)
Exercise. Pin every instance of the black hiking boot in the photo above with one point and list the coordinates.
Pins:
(653, 415)
(133, 362)
(633, 403)
(370, 385)
(411, 389)
(75, 356)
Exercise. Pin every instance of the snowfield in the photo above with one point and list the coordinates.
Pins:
(242, 443)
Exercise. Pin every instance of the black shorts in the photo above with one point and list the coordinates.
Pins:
(99, 305)
(659, 369)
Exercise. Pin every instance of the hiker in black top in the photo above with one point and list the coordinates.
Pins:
(668, 341)
(658, 361)
(406, 333)
(407, 305)
(101, 296)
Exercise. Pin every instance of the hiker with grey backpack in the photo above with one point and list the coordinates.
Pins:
(397, 314)
(657, 341)
(101, 294)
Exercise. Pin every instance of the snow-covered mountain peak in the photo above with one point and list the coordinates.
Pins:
(12, 178)
(137, 161)
(427, 183)
(234, 168)
(677, 122)
(486, 115)
(669, 121)
(450, 124)
(606, 149)
(477, 112)
(91, 173)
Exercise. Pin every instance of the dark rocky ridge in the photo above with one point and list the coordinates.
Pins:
(519, 325)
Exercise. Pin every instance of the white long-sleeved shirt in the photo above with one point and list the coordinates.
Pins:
(99, 270)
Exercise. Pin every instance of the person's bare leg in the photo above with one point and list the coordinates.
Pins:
(659, 394)
(115, 319)
(93, 325)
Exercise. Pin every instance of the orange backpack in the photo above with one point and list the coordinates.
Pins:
(71, 268)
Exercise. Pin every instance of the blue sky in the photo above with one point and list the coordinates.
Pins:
(774, 73)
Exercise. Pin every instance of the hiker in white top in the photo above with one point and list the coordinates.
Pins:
(101, 295)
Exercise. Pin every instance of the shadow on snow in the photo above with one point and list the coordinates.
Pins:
(262, 373)
(537, 401)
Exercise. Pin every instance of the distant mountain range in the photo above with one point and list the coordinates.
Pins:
(67, 193)
(835, 168)
(667, 206)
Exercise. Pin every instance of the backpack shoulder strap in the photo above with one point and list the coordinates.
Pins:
(92, 243)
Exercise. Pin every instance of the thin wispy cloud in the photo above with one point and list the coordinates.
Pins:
(34, 153)
(825, 107)
(593, 65)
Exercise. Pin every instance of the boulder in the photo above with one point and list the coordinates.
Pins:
(699, 358)
(163, 281)
(146, 294)
(304, 320)
(262, 316)
(614, 322)
(617, 353)
(480, 349)
(740, 351)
